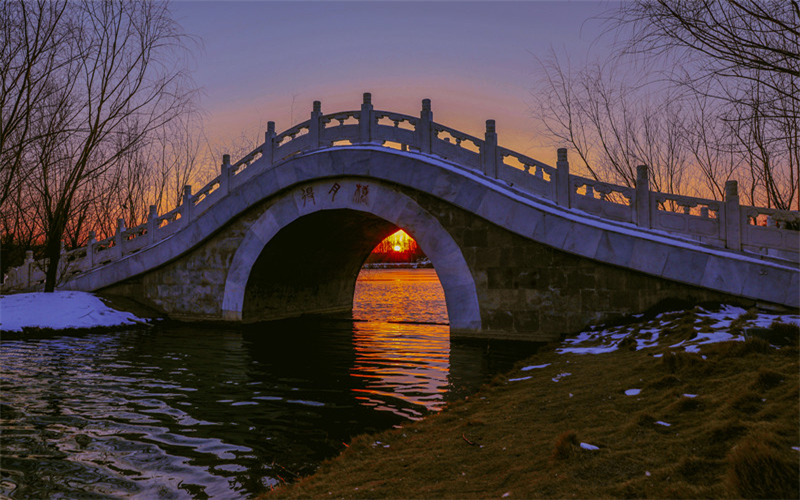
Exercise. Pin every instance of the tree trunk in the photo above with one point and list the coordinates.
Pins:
(52, 254)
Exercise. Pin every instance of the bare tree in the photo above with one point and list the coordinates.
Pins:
(121, 80)
(30, 36)
(702, 92)
(743, 53)
(612, 124)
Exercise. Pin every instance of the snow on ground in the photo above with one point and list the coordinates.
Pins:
(534, 367)
(680, 329)
(59, 310)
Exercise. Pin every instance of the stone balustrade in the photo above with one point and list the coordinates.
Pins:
(724, 224)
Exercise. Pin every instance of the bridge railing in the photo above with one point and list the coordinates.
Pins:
(720, 223)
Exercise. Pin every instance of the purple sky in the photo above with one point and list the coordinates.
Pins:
(475, 60)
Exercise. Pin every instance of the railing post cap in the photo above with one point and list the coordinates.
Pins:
(226, 159)
(426, 105)
(317, 107)
(271, 127)
(490, 127)
(367, 98)
(641, 171)
(28, 255)
(731, 189)
(562, 154)
(187, 189)
(153, 209)
(121, 223)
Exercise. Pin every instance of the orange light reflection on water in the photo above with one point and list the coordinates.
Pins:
(402, 367)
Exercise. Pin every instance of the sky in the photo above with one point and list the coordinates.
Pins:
(261, 61)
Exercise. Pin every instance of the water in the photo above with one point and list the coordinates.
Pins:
(193, 411)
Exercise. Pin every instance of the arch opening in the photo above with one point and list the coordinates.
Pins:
(398, 284)
(311, 265)
(299, 257)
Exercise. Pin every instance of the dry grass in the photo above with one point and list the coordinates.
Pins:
(522, 439)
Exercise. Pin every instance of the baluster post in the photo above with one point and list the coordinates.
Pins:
(119, 241)
(186, 210)
(733, 221)
(152, 223)
(269, 143)
(28, 267)
(489, 150)
(425, 127)
(90, 249)
(315, 125)
(365, 119)
(62, 261)
(225, 171)
(562, 178)
(642, 196)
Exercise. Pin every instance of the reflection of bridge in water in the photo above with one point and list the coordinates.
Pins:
(523, 250)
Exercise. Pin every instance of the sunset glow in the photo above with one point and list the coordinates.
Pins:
(399, 241)
(397, 247)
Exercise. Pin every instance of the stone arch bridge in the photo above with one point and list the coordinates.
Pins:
(523, 250)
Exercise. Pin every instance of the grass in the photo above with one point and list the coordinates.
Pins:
(522, 439)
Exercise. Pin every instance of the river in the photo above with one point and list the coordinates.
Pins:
(200, 411)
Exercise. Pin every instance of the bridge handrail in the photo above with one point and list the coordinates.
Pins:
(723, 223)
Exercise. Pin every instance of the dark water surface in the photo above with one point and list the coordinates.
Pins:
(191, 411)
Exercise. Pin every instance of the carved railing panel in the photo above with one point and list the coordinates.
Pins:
(602, 199)
(340, 127)
(103, 251)
(396, 131)
(456, 146)
(699, 218)
(527, 174)
(248, 159)
(770, 228)
(291, 142)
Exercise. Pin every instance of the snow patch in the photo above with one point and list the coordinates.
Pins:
(633, 392)
(534, 367)
(59, 311)
(590, 447)
(560, 376)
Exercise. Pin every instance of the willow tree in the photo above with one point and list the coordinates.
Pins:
(85, 84)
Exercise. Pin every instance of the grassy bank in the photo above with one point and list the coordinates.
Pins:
(721, 422)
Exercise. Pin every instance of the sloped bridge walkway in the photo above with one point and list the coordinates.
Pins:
(523, 249)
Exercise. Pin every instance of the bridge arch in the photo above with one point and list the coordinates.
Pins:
(371, 210)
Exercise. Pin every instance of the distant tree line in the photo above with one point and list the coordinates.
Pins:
(98, 121)
(397, 247)
(701, 91)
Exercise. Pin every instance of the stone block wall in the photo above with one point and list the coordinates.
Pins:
(531, 291)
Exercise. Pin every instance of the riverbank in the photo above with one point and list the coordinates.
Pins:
(679, 405)
(38, 311)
